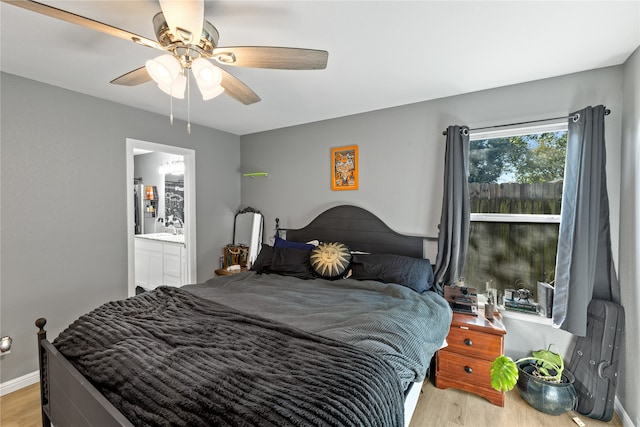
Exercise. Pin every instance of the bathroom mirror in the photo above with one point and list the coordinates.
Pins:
(174, 200)
(248, 227)
(158, 192)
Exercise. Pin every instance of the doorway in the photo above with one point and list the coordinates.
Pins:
(189, 219)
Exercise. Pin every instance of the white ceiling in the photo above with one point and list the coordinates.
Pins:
(381, 53)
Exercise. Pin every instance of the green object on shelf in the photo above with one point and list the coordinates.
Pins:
(254, 174)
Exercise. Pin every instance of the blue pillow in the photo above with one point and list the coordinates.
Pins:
(414, 273)
(282, 243)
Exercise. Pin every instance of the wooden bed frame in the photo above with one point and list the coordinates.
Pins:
(69, 399)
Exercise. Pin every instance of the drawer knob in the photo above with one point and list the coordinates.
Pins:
(468, 342)
(468, 369)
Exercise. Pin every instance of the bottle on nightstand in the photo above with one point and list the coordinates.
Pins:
(489, 307)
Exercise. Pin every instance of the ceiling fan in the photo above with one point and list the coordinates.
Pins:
(189, 43)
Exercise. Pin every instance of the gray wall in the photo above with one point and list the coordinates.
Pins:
(629, 391)
(401, 151)
(63, 219)
(401, 154)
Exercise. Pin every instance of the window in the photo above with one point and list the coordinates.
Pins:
(515, 190)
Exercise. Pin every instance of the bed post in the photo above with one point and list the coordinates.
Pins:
(42, 335)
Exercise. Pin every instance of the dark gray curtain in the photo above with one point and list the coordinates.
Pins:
(584, 266)
(453, 236)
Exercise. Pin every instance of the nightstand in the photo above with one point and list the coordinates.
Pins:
(473, 343)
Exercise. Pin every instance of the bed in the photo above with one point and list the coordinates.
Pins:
(288, 343)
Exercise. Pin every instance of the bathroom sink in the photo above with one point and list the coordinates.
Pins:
(164, 237)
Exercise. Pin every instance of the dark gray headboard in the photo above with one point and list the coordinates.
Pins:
(360, 230)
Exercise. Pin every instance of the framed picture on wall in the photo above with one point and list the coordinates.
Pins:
(344, 168)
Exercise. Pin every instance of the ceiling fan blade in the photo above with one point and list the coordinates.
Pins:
(81, 20)
(185, 18)
(133, 78)
(282, 58)
(238, 90)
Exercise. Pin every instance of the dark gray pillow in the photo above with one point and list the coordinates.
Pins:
(263, 260)
(414, 273)
(291, 262)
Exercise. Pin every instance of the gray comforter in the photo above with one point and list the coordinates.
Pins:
(170, 358)
(398, 324)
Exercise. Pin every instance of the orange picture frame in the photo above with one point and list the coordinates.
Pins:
(344, 168)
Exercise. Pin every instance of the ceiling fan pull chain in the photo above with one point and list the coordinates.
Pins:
(171, 106)
(188, 101)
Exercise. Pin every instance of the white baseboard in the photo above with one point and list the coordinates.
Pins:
(622, 414)
(18, 383)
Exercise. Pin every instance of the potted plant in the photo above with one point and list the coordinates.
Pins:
(542, 380)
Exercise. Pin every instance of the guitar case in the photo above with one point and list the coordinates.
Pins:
(595, 357)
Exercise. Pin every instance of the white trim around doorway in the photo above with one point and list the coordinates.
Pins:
(189, 205)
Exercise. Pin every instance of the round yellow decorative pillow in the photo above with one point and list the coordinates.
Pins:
(330, 260)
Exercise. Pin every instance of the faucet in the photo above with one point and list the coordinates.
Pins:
(172, 224)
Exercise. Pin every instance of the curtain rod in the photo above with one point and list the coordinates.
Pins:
(575, 117)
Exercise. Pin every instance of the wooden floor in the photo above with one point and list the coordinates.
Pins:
(451, 407)
(441, 408)
(21, 408)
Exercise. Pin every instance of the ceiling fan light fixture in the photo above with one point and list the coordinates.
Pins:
(208, 78)
(211, 93)
(206, 72)
(185, 18)
(177, 89)
(164, 69)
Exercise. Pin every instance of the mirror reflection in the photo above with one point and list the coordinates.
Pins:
(158, 193)
(174, 201)
(248, 227)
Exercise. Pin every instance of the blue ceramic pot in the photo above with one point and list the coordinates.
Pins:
(547, 397)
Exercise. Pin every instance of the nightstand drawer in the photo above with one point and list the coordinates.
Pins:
(478, 344)
(463, 368)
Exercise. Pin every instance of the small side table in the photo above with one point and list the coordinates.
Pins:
(225, 272)
(474, 342)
